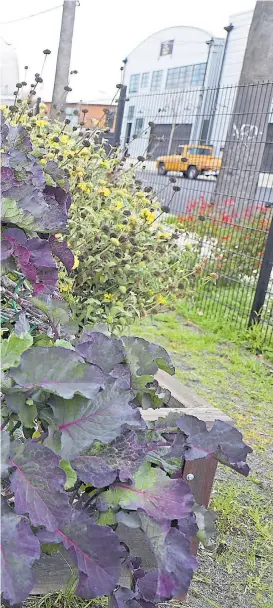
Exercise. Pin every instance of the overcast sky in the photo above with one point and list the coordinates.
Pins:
(105, 33)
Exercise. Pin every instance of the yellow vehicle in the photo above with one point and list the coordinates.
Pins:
(192, 161)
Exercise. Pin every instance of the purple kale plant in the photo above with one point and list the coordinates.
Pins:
(78, 462)
(35, 203)
(79, 416)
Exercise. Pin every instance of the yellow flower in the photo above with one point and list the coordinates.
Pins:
(80, 173)
(64, 139)
(119, 205)
(164, 235)
(83, 186)
(140, 195)
(104, 191)
(43, 161)
(149, 216)
(76, 262)
(41, 123)
(65, 287)
(161, 300)
(108, 297)
(83, 152)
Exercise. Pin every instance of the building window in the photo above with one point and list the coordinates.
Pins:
(145, 80)
(198, 74)
(186, 76)
(139, 125)
(156, 80)
(134, 83)
(131, 112)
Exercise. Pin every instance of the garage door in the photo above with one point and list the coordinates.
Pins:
(267, 162)
(181, 135)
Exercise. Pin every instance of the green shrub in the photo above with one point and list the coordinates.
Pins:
(127, 264)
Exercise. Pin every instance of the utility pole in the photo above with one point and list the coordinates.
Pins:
(119, 115)
(246, 137)
(63, 58)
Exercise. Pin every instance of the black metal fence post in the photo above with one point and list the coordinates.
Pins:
(263, 280)
(120, 113)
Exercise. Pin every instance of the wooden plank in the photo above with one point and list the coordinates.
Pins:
(207, 414)
(180, 394)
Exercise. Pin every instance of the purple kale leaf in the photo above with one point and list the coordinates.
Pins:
(96, 551)
(222, 441)
(145, 358)
(120, 458)
(127, 598)
(152, 491)
(27, 200)
(175, 564)
(19, 548)
(79, 422)
(122, 376)
(5, 446)
(100, 350)
(34, 258)
(61, 251)
(58, 370)
(38, 484)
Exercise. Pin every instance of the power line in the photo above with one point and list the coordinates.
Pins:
(30, 16)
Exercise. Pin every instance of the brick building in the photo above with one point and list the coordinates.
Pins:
(102, 114)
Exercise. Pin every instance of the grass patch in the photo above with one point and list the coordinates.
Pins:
(229, 325)
(65, 599)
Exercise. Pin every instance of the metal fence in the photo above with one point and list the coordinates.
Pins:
(217, 144)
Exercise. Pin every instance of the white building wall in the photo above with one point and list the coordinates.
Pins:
(165, 106)
(9, 72)
(236, 47)
(189, 48)
(230, 76)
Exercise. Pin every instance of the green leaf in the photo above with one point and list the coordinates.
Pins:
(152, 491)
(50, 548)
(205, 520)
(71, 476)
(64, 343)
(17, 402)
(12, 348)
(10, 212)
(107, 519)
